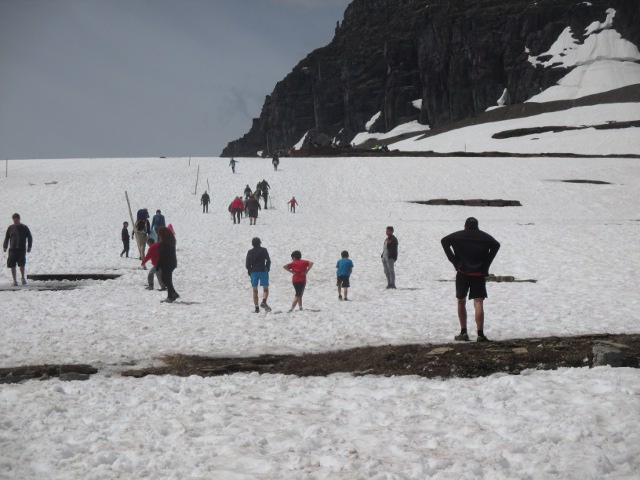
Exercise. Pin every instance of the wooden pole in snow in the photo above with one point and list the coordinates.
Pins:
(197, 177)
(133, 224)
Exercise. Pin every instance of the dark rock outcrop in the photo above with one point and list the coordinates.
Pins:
(457, 57)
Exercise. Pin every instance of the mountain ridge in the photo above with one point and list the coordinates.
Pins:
(457, 59)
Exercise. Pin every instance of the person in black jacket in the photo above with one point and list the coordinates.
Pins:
(18, 240)
(167, 261)
(125, 239)
(389, 257)
(471, 252)
(205, 200)
(258, 265)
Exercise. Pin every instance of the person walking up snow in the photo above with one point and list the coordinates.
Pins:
(258, 265)
(232, 164)
(167, 261)
(205, 199)
(141, 233)
(292, 205)
(125, 239)
(152, 254)
(236, 208)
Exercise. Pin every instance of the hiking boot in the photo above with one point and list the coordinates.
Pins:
(163, 289)
(149, 287)
(257, 309)
(168, 300)
(463, 337)
(265, 306)
(339, 297)
(24, 281)
(290, 310)
(15, 284)
(482, 338)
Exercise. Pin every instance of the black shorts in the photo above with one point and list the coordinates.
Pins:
(343, 281)
(17, 257)
(475, 286)
(299, 288)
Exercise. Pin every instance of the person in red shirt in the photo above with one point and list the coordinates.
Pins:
(299, 268)
(236, 208)
(292, 205)
(152, 254)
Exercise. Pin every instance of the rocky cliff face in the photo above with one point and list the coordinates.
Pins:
(457, 57)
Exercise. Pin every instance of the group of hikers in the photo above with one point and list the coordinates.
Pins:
(470, 251)
(275, 162)
(161, 240)
(251, 203)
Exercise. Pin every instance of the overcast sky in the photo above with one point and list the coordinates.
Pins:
(120, 78)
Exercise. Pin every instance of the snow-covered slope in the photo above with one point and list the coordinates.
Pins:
(575, 240)
(582, 141)
(604, 61)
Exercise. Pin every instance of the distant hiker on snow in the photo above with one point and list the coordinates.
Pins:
(471, 252)
(258, 265)
(389, 257)
(253, 205)
(236, 207)
(167, 261)
(232, 164)
(141, 230)
(299, 268)
(158, 221)
(292, 205)
(125, 239)
(18, 240)
(264, 186)
(205, 199)
(275, 162)
(247, 191)
(152, 254)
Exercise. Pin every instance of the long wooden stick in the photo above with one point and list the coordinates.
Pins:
(197, 177)
(132, 222)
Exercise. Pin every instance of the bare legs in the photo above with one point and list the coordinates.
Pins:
(265, 295)
(478, 305)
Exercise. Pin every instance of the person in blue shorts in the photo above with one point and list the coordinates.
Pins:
(344, 266)
(258, 265)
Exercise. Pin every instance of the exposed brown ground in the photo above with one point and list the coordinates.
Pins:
(459, 359)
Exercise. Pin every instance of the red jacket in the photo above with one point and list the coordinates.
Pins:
(152, 254)
(237, 204)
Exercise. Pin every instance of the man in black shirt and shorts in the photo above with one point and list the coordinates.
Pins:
(16, 241)
(471, 252)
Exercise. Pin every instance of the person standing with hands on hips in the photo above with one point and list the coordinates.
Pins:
(299, 268)
(389, 257)
(471, 252)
